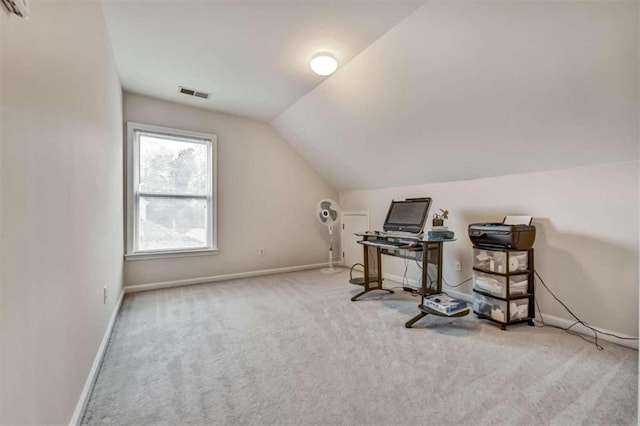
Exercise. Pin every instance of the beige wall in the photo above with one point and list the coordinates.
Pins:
(586, 248)
(267, 196)
(61, 201)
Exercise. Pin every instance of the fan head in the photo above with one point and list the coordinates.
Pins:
(328, 212)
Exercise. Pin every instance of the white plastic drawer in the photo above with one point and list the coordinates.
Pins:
(496, 284)
(497, 309)
(496, 261)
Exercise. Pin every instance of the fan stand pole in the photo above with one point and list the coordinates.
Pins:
(331, 269)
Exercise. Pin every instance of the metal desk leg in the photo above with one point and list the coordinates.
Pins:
(415, 319)
(427, 248)
(367, 286)
(354, 298)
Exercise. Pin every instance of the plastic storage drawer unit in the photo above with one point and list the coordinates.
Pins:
(496, 284)
(496, 261)
(497, 309)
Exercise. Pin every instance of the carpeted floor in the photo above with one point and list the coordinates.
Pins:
(292, 349)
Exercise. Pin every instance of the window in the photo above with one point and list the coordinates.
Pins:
(171, 205)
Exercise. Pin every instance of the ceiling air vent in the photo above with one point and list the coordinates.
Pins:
(193, 92)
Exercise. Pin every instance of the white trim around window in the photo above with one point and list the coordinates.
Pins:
(205, 243)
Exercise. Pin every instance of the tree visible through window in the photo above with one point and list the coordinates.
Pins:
(172, 196)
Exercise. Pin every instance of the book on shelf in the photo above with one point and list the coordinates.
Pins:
(445, 304)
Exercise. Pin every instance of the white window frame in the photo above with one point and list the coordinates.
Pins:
(133, 194)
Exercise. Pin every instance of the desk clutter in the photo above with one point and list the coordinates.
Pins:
(502, 263)
(402, 236)
(428, 253)
(439, 231)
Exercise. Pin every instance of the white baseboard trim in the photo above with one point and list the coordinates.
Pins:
(416, 283)
(398, 279)
(76, 418)
(225, 277)
(548, 319)
(579, 328)
(464, 296)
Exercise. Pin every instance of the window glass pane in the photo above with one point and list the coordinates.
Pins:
(172, 167)
(172, 223)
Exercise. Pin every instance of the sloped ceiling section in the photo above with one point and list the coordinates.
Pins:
(464, 90)
(253, 56)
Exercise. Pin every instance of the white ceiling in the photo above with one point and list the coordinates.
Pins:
(464, 90)
(253, 56)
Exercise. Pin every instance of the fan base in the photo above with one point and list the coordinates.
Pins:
(330, 270)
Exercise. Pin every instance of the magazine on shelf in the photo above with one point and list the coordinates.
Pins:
(445, 304)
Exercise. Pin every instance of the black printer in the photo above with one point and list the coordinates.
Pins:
(500, 235)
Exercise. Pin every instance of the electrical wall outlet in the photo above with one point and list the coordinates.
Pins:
(261, 252)
(458, 266)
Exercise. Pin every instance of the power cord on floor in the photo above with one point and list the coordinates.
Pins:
(412, 290)
(578, 321)
(566, 329)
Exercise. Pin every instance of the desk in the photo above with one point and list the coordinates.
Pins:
(429, 252)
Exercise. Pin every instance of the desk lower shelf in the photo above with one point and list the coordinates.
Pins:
(424, 311)
(428, 310)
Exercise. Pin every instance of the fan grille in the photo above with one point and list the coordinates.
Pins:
(328, 212)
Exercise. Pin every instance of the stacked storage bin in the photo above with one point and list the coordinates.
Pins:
(503, 285)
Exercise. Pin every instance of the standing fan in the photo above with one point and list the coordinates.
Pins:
(328, 213)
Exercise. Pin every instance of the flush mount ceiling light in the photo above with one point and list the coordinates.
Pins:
(323, 64)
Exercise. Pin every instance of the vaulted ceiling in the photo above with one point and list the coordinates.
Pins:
(464, 90)
(431, 92)
(253, 56)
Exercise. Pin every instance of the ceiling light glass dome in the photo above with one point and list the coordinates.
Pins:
(324, 64)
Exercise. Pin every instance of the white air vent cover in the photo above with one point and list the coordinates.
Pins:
(193, 92)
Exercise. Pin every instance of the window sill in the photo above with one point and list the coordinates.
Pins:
(170, 254)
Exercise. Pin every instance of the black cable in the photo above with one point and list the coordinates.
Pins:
(565, 329)
(351, 270)
(578, 321)
(414, 291)
(396, 287)
(405, 281)
(457, 285)
(430, 281)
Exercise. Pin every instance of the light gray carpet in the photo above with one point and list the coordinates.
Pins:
(292, 349)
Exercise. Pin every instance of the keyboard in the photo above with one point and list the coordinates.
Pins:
(391, 234)
(398, 234)
(393, 245)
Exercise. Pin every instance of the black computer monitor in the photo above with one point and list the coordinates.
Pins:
(407, 215)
